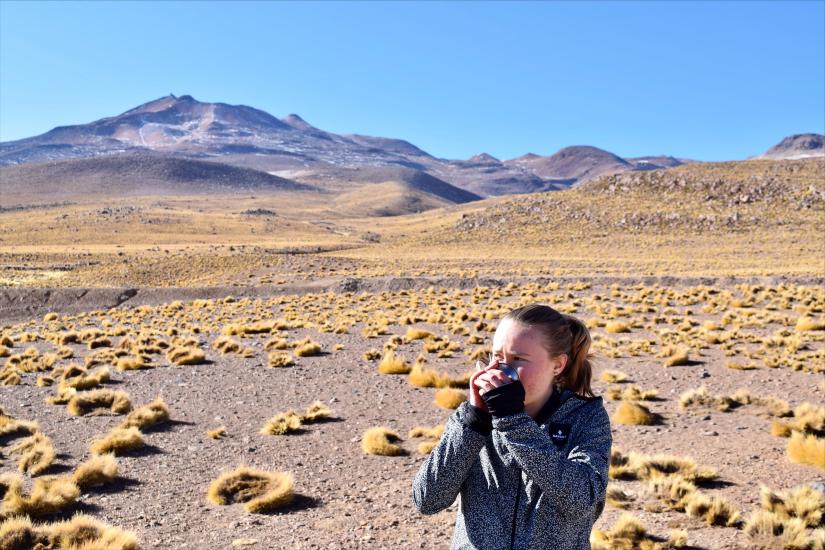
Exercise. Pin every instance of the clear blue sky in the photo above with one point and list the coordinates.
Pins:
(703, 80)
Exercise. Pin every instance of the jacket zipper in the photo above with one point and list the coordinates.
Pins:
(515, 513)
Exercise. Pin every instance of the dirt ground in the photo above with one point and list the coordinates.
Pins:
(345, 498)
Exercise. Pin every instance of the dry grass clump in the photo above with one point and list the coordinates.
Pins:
(381, 441)
(217, 433)
(699, 397)
(36, 453)
(807, 419)
(316, 412)
(714, 511)
(618, 498)
(276, 343)
(307, 348)
(803, 502)
(82, 532)
(132, 362)
(277, 359)
(99, 402)
(805, 323)
(98, 470)
(417, 334)
(11, 427)
(740, 366)
(450, 398)
(372, 355)
(675, 356)
(282, 423)
(393, 364)
(628, 533)
(631, 393)
(769, 530)
(290, 421)
(49, 495)
(80, 378)
(643, 467)
(631, 413)
(427, 378)
(118, 441)
(613, 377)
(261, 491)
(616, 327)
(148, 415)
(807, 449)
(186, 356)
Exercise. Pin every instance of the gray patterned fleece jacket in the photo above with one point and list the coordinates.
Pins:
(525, 483)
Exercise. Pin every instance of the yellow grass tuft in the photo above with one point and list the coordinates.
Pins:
(618, 498)
(147, 415)
(714, 511)
(380, 441)
(134, 362)
(49, 495)
(279, 359)
(84, 532)
(628, 533)
(427, 378)
(186, 356)
(217, 433)
(37, 453)
(616, 327)
(261, 491)
(807, 449)
(99, 402)
(80, 378)
(449, 398)
(613, 377)
(98, 470)
(315, 412)
(803, 502)
(308, 348)
(805, 323)
(282, 423)
(675, 356)
(631, 413)
(393, 364)
(422, 431)
(118, 441)
(417, 334)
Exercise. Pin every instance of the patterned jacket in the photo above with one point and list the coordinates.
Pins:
(528, 484)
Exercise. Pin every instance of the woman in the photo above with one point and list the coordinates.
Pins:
(528, 453)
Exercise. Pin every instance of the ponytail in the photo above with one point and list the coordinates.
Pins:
(578, 373)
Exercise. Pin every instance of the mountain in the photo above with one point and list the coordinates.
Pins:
(796, 147)
(242, 136)
(134, 174)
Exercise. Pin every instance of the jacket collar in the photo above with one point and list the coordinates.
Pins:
(556, 400)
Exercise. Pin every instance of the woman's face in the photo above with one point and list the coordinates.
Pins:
(520, 346)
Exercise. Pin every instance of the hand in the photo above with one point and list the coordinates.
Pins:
(475, 395)
(485, 380)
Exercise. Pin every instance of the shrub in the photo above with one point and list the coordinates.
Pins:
(381, 441)
(261, 491)
(392, 364)
(99, 469)
(99, 401)
(807, 449)
(118, 441)
(147, 415)
(632, 413)
(449, 398)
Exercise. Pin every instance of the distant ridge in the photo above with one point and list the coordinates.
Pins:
(246, 137)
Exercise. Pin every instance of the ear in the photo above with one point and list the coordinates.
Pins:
(560, 365)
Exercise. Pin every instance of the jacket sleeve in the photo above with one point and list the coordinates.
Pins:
(440, 477)
(577, 481)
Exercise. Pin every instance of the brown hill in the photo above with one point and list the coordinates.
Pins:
(796, 147)
(133, 174)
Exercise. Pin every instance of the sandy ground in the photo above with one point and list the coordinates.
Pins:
(347, 499)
